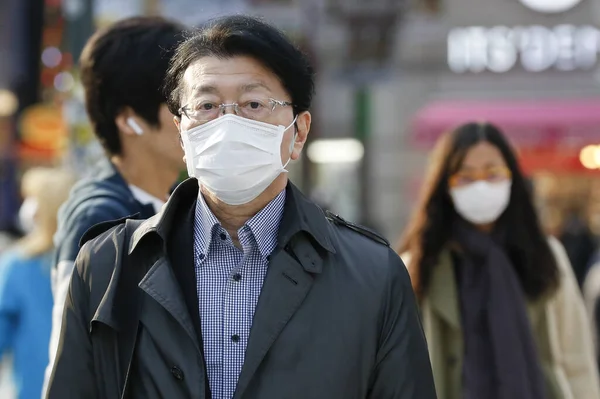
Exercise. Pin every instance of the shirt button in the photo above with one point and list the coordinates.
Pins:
(235, 338)
(223, 236)
(237, 277)
(201, 256)
(177, 373)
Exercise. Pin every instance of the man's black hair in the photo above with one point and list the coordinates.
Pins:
(239, 35)
(124, 65)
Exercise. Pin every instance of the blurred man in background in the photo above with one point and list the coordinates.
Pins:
(122, 69)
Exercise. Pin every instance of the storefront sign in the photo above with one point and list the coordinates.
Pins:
(501, 49)
(550, 6)
(550, 124)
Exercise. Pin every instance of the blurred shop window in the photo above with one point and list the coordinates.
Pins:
(271, 2)
(594, 207)
(336, 170)
(567, 208)
(372, 26)
(433, 7)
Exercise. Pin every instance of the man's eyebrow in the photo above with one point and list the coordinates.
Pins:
(253, 86)
(203, 89)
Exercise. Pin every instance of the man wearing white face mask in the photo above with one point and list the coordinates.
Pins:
(241, 179)
(241, 287)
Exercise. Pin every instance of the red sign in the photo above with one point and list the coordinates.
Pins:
(528, 124)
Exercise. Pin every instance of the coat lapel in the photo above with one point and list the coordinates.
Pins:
(284, 289)
(161, 282)
(443, 292)
(161, 285)
(303, 234)
(180, 250)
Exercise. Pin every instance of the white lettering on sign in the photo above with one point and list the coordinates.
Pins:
(550, 6)
(536, 48)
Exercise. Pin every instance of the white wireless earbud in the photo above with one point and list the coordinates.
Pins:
(134, 125)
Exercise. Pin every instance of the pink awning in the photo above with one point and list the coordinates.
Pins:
(528, 123)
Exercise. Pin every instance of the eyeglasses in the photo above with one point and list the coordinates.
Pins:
(256, 109)
(492, 175)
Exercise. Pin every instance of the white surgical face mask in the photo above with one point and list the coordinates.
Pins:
(27, 215)
(235, 158)
(481, 202)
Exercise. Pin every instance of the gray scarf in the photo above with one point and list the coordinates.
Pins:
(501, 360)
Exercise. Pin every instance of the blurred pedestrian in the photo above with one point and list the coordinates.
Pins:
(122, 69)
(580, 244)
(336, 317)
(25, 293)
(501, 308)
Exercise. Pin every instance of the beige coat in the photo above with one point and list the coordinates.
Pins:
(560, 326)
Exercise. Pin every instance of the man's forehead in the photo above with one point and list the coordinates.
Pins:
(214, 86)
(225, 76)
(230, 66)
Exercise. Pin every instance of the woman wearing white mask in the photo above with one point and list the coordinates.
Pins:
(500, 306)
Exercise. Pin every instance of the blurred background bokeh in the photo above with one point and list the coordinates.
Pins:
(392, 76)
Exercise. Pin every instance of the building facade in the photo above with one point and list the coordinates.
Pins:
(497, 60)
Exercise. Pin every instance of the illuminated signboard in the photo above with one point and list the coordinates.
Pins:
(534, 48)
(550, 6)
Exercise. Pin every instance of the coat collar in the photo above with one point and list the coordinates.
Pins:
(299, 215)
(264, 226)
(107, 172)
(443, 291)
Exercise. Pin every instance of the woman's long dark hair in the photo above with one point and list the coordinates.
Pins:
(429, 231)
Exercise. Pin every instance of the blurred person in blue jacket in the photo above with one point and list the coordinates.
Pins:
(25, 292)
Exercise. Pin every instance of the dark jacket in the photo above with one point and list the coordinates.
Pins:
(336, 318)
(596, 321)
(104, 197)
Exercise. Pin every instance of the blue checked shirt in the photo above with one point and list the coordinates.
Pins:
(229, 282)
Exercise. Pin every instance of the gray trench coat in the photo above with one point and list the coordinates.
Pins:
(336, 318)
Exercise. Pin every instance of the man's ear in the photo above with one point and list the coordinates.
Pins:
(302, 129)
(129, 123)
(177, 122)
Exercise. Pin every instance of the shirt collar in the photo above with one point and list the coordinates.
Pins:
(144, 198)
(264, 225)
(204, 225)
(299, 215)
